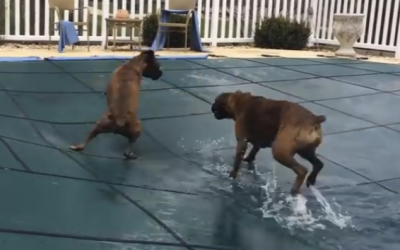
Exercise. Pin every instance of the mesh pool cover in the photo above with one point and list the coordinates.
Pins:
(177, 195)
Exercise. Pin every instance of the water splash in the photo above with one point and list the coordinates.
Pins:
(211, 159)
(336, 218)
(293, 213)
(206, 147)
(288, 211)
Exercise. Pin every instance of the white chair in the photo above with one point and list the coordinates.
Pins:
(188, 5)
(182, 4)
(60, 5)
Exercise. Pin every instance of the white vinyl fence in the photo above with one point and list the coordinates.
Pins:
(221, 21)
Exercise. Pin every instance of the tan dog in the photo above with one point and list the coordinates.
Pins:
(123, 100)
(286, 127)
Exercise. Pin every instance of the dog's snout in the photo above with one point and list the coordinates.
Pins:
(213, 108)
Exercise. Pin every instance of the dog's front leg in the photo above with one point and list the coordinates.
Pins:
(241, 148)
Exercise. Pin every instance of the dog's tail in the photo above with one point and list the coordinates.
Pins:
(318, 119)
(311, 133)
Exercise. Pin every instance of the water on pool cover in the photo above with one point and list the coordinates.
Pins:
(177, 195)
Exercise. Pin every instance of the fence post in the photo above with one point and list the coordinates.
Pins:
(397, 53)
(312, 13)
(7, 22)
(105, 14)
(214, 22)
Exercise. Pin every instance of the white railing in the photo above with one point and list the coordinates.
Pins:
(221, 21)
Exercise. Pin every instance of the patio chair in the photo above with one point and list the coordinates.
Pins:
(188, 5)
(59, 6)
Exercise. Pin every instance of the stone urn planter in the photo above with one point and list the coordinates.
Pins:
(347, 28)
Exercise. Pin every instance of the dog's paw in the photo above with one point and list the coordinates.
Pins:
(233, 174)
(249, 159)
(294, 192)
(78, 147)
(311, 179)
(130, 155)
(251, 166)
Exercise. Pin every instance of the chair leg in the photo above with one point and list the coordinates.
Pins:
(140, 36)
(132, 29)
(168, 39)
(160, 30)
(107, 32)
(51, 29)
(186, 34)
(115, 30)
(88, 42)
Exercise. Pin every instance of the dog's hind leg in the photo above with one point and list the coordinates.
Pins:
(129, 154)
(252, 155)
(134, 134)
(81, 146)
(283, 153)
(250, 158)
(309, 155)
(102, 126)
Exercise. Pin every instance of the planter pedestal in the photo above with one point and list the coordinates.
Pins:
(347, 28)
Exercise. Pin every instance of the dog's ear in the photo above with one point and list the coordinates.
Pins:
(319, 119)
(243, 94)
(246, 94)
(232, 99)
(236, 98)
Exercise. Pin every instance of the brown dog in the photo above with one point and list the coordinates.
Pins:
(286, 127)
(123, 100)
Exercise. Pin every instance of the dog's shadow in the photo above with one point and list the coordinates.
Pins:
(249, 174)
(237, 211)
(109, 169)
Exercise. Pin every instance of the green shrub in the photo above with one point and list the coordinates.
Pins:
(282, 33)
(150, 26)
